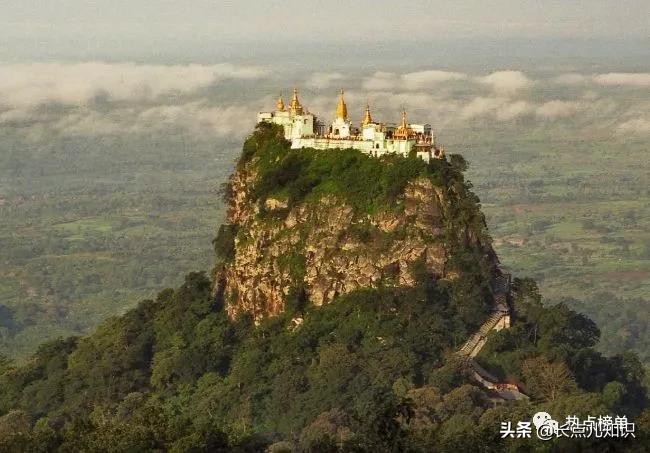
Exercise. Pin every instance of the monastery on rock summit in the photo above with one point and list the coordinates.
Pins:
(304, 130)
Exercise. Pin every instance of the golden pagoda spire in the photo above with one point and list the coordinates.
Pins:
(367, 119)
(341, 108)
(295, 108)
(403, 130)
(280, 104)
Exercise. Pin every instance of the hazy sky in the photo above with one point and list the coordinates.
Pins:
(31, 29)
(74, 67)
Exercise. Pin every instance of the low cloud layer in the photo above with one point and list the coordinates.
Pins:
(321, 80)
(501, 82)
(558, 109)
(206, 100)
(424, 79)
(621, 79)
(506, 82)
(108, 98)
(380, 80)
(624, 79)
(25, 85)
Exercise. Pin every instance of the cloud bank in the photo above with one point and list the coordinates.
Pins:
(381, 81)
(118, 98)
(25, 85)
(621, 79)
(97, 98)
(506, 82)
(320, 80)
(624, 79)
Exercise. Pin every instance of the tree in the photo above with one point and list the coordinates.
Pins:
(458, 163)
(547, 380)
(327, 432)
(15, 430)
(613, 394)
(224, 242)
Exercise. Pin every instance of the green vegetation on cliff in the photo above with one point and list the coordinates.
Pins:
(366, 183)
(372, 371)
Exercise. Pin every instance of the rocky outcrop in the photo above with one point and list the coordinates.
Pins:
(326, 249)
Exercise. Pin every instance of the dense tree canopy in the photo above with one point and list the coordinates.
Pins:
(372, 372)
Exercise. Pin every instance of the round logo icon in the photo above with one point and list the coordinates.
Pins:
(545, 425)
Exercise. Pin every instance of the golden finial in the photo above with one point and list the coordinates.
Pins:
(341, 108)
(295, 106)
(404, 124)
(280, 104)
(367, 119)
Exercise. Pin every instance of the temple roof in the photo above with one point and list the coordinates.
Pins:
(403, 130)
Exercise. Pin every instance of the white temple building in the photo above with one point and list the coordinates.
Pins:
(304, 130)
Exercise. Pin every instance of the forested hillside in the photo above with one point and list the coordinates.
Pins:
(373, 369)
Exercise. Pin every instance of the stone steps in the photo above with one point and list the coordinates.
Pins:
(485, 328)
(505, 391)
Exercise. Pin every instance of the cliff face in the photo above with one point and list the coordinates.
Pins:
(323, 246)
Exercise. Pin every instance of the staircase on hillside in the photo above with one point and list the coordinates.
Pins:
(473, 346)
(499, 319)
